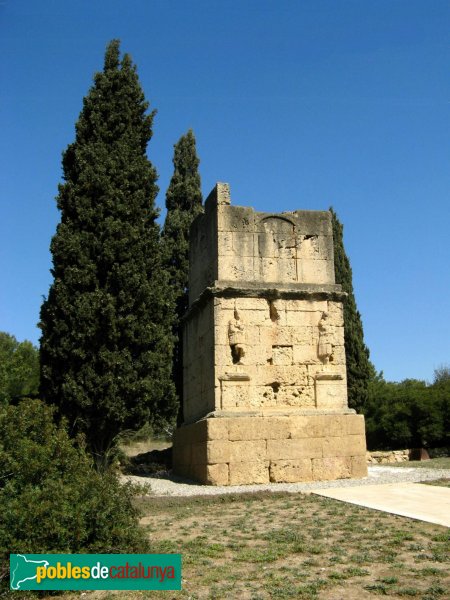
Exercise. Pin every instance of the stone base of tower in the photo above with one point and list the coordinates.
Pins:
(239, 450)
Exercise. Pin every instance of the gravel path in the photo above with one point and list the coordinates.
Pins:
(177, 486)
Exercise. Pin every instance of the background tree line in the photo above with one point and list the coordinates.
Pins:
(409, 414)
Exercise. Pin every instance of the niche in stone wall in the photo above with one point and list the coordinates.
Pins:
(277, 250)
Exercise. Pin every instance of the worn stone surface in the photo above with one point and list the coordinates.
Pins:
(331, 467)
(217, 474)
(388, 456)
(264, 350)
(290, 471)
(236, 243)
(358, 466)
(259, 449)
(273, 346)
(247, 471)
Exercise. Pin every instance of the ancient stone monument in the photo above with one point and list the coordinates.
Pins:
(265, 393)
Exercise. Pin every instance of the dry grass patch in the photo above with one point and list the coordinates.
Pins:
(434, 463)
(134, 447)
(440, 482)
(262, 546)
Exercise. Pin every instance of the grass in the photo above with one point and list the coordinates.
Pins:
(434, 463)
(275, 545)
(440, 482)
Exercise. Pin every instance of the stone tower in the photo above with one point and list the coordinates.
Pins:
(265, 392)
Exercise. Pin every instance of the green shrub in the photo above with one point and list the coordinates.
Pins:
(51, 497)
(410, 414)
(19, 368)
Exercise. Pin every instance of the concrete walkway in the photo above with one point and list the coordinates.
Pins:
(429, 503)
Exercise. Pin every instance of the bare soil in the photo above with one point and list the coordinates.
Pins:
(265, 545)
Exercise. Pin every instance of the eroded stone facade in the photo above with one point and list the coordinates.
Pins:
(264, 351)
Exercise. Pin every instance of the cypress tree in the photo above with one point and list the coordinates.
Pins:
(106, 324)
(359, 368)
(183, 203)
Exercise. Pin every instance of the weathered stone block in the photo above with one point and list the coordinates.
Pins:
(258, 428)
(199, 472)
(276, 428)
(314, 271)
(294, 448)
(290, 471)
(247, 428)
(283, 375)
(331, 394)
(221, 335)
(355, 425)
(250, 304)
(232, 268)
(222, 355)
(219, 196)
(235, 395)
(253, 450)
(282, 355)
(335, 425)
(243, 473)
(279, 336)
(338, 355)
(236, 218)
(307, 427)
(217, 474)
(225, 242)
(181, 454)
(326, 247)
(198, 454)
(189, 434)
(299, 319)
(305, 335)
(306, 305)
(259, 355)
(308, 247)
(331, 468)
(306, 353)
(218, 451)
(244, 244)
(358, 466)
(217, 429)
(286, 270)
(350, 445)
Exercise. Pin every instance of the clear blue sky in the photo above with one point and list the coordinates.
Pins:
(297, 104)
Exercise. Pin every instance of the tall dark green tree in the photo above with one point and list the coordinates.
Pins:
(183, 203)
(359, 368)
(106, 324)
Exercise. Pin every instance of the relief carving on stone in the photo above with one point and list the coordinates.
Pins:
(236, 338)
(325, 349)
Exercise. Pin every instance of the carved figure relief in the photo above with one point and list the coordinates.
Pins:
(236, 338)
(325, 339)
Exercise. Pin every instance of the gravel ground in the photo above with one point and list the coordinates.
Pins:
(177, 486)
